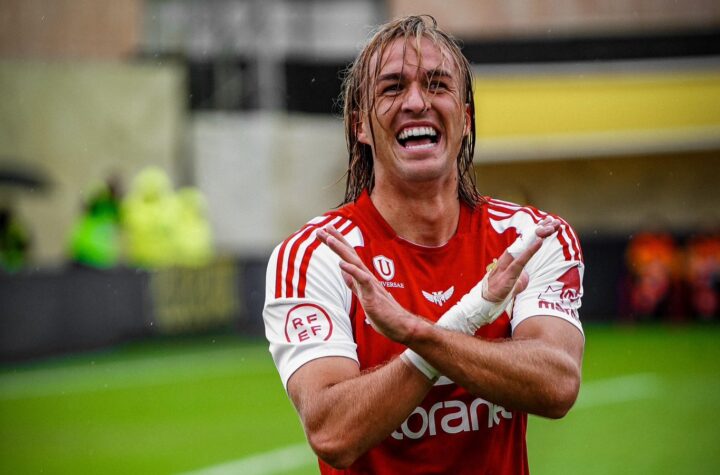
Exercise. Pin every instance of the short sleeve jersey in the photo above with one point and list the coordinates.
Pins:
(310, 313)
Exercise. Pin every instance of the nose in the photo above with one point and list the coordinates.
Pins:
(415, 99)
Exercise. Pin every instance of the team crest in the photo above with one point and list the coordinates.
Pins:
(307, 322)
(384, 266)
(439, 297)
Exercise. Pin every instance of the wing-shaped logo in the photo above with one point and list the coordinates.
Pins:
(439, 297)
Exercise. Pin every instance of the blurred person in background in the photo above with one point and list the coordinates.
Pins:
(652, 260)
(193, 239)
(703, 275)
(416, 326)
(14, 241)
(163, 227)
(149, 214)
(95, 238)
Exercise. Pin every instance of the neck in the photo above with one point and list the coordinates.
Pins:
(422, 215)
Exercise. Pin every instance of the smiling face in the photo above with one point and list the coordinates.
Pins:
(417, 118)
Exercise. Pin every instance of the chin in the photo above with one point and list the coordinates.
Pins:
(426, 173)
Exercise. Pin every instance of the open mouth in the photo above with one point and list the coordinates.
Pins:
(418, 137)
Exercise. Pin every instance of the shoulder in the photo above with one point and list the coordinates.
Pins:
(305, 238)
(302, 257)
(503, 215)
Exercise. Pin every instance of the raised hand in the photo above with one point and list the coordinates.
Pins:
(508, 276)
(386, 315)
(490, 297)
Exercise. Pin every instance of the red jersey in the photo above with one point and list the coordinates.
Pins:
(310, 313)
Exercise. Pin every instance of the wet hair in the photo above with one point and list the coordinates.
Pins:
(358, 100)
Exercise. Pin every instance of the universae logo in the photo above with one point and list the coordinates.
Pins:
(384, 266)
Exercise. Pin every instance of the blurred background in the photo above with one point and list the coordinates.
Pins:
(153, 152)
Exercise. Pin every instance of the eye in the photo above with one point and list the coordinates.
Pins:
(437, 86)
(391, 88)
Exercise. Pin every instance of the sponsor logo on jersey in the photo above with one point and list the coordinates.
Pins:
(451, 417)
(439, 297)
(562, 295)
(544, 304)
(385, 267)
(307, 322)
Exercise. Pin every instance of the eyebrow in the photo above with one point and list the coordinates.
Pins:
(434, 73)
(389, 77)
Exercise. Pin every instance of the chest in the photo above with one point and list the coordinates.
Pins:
(426, 282)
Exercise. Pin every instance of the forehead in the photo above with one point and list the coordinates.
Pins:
(405, 55)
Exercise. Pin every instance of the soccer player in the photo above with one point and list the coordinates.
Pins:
(416, 326)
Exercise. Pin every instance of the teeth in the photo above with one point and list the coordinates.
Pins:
(418, 147)
(416, 132)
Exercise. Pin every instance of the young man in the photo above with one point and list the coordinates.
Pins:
(416, 326)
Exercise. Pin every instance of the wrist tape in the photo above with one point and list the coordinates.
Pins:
(466, 316)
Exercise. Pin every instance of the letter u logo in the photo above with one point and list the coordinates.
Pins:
(385, 267)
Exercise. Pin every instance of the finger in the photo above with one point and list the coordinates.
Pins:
(547, 227)
(518, 264)
(521, 284)
(360, 277)
(363, 284)
(339, 242)
(510, 259)
(527, 241)
(523, 242)
(340, 247)
(349, 281)
(337, 234)
(501, 264)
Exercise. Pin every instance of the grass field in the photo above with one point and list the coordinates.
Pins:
(650, 404)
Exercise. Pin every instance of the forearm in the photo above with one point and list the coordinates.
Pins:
(527, 374)
(345, 419)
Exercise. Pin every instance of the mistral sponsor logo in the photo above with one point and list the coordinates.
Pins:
(385, 267)
(451, 417)
(563, 295)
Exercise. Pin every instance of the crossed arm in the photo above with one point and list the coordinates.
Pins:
(345, 411)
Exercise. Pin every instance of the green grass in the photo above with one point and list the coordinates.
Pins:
(170, 406)
(675, 429)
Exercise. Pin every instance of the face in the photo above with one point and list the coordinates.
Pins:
(419, 119)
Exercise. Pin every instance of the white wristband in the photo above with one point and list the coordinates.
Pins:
(473, 310)
(466, 316)
(412, 358)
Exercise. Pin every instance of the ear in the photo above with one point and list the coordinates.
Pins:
(360, 129)
(468, 120)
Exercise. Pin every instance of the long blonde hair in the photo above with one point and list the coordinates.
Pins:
(358, 100)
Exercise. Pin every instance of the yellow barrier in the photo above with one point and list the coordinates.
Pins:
(598, 112)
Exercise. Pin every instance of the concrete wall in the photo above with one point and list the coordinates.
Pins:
(615, 195)
(266, 174)
(507, 18)
(77, 123)
(98, 29)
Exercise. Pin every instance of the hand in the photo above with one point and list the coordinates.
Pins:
(491, 296)
(508, 276)
(386, 316)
